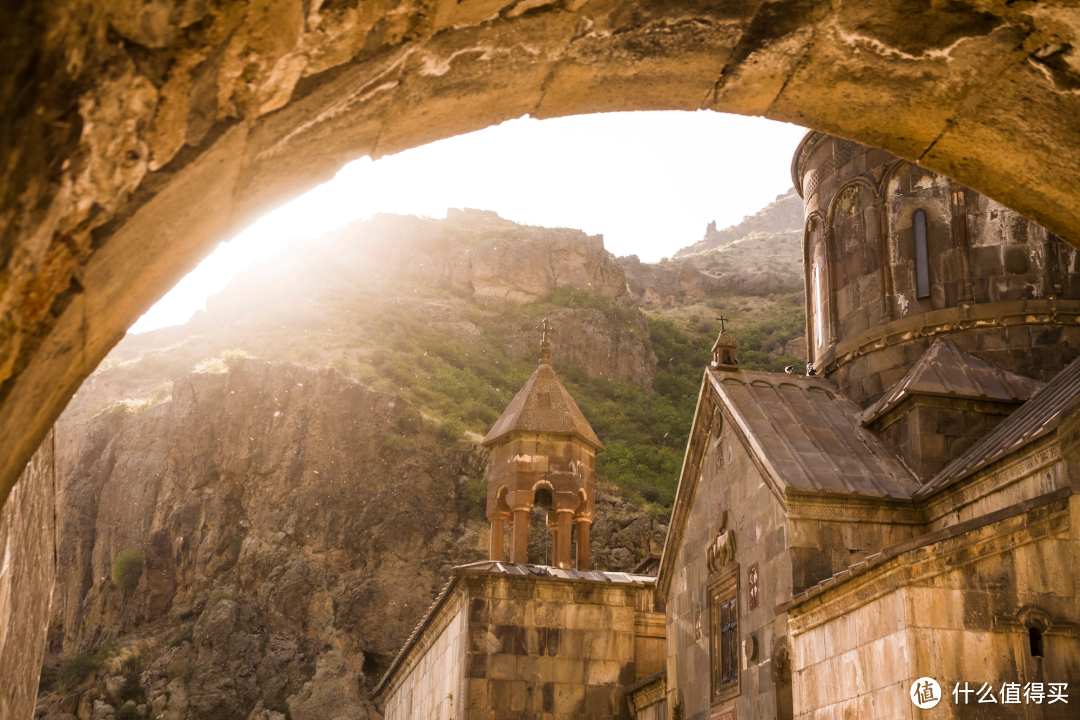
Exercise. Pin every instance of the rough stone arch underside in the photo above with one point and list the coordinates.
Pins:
(138, 135)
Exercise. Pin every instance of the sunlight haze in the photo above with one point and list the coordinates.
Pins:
(649, 182)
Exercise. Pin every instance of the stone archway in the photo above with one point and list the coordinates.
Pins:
(138, 135)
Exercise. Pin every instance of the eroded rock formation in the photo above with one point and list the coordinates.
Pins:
(293, 527)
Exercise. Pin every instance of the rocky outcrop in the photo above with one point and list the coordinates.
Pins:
(602, 345)
(290, 525)
(478, 254)
(666, 283)
(27, 572)
(782, 215)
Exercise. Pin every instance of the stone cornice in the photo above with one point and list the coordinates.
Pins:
(978, 316)
(929, 555)
(849, 508)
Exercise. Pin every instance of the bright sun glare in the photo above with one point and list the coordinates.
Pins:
(648, 181)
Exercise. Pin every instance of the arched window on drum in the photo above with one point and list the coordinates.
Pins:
(922, 256)
(819, 324)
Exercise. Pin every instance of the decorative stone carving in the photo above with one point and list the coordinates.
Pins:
(753, 589)
(721, 550)
(676, 705)
(781, 664)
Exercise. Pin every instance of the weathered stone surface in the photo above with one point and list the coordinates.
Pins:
(139, 138)
(27, 576)
(299, 547)
(997, 283)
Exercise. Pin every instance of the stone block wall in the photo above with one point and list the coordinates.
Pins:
(955, 610)
(542, 647)
(928, 437)
(729, 482)
(431, 683)
(821, 548)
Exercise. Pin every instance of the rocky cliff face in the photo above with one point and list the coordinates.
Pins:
(783, 215)
(480, 255)
(261, 543)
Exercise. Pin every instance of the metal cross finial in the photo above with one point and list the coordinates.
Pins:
(546, 329)
(722, 320)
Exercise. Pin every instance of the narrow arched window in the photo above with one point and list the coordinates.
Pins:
(922, 261)
(818, 324)
(1035, 637)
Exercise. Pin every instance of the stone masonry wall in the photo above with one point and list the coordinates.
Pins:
(432, 686)
(729, 481)
(1001, 286)
(541, 647)
(959, 621)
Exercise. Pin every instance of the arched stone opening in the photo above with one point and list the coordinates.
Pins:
(140, 137)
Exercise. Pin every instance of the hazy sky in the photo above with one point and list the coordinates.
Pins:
(648, 181)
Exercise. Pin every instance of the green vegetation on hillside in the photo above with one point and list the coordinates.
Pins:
(127, 569)
(455, 375)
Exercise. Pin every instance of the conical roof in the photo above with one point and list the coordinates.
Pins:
(543, 405)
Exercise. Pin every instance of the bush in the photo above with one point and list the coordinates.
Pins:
(127, 712)
(452, 429)
(79, 667)
(127, 569)
(75, 670)
(476, 489)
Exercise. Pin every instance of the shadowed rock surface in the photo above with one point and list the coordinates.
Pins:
(294, 526)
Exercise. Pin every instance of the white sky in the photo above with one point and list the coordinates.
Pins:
(648, 181)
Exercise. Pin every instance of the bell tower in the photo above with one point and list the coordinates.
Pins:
(543, 452)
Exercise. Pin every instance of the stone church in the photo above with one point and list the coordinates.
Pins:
(910, 510)
(907, 509)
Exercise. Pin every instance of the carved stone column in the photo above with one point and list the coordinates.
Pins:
(960, 237)
(583, 526)
(496, 543)
(519, 539)
(565, 523)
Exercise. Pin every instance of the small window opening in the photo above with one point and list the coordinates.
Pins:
(922, 261)
(1036, 637)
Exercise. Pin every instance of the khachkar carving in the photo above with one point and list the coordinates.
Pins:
(721, 550)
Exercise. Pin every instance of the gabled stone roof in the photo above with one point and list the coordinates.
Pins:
(945, 370)
(808, 436)
(543, 405)
(1054, 402)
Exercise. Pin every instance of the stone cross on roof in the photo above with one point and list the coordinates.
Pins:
(722, 320)
(546, 331)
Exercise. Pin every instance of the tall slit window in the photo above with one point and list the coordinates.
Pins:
(922, 261)
(818, 324)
